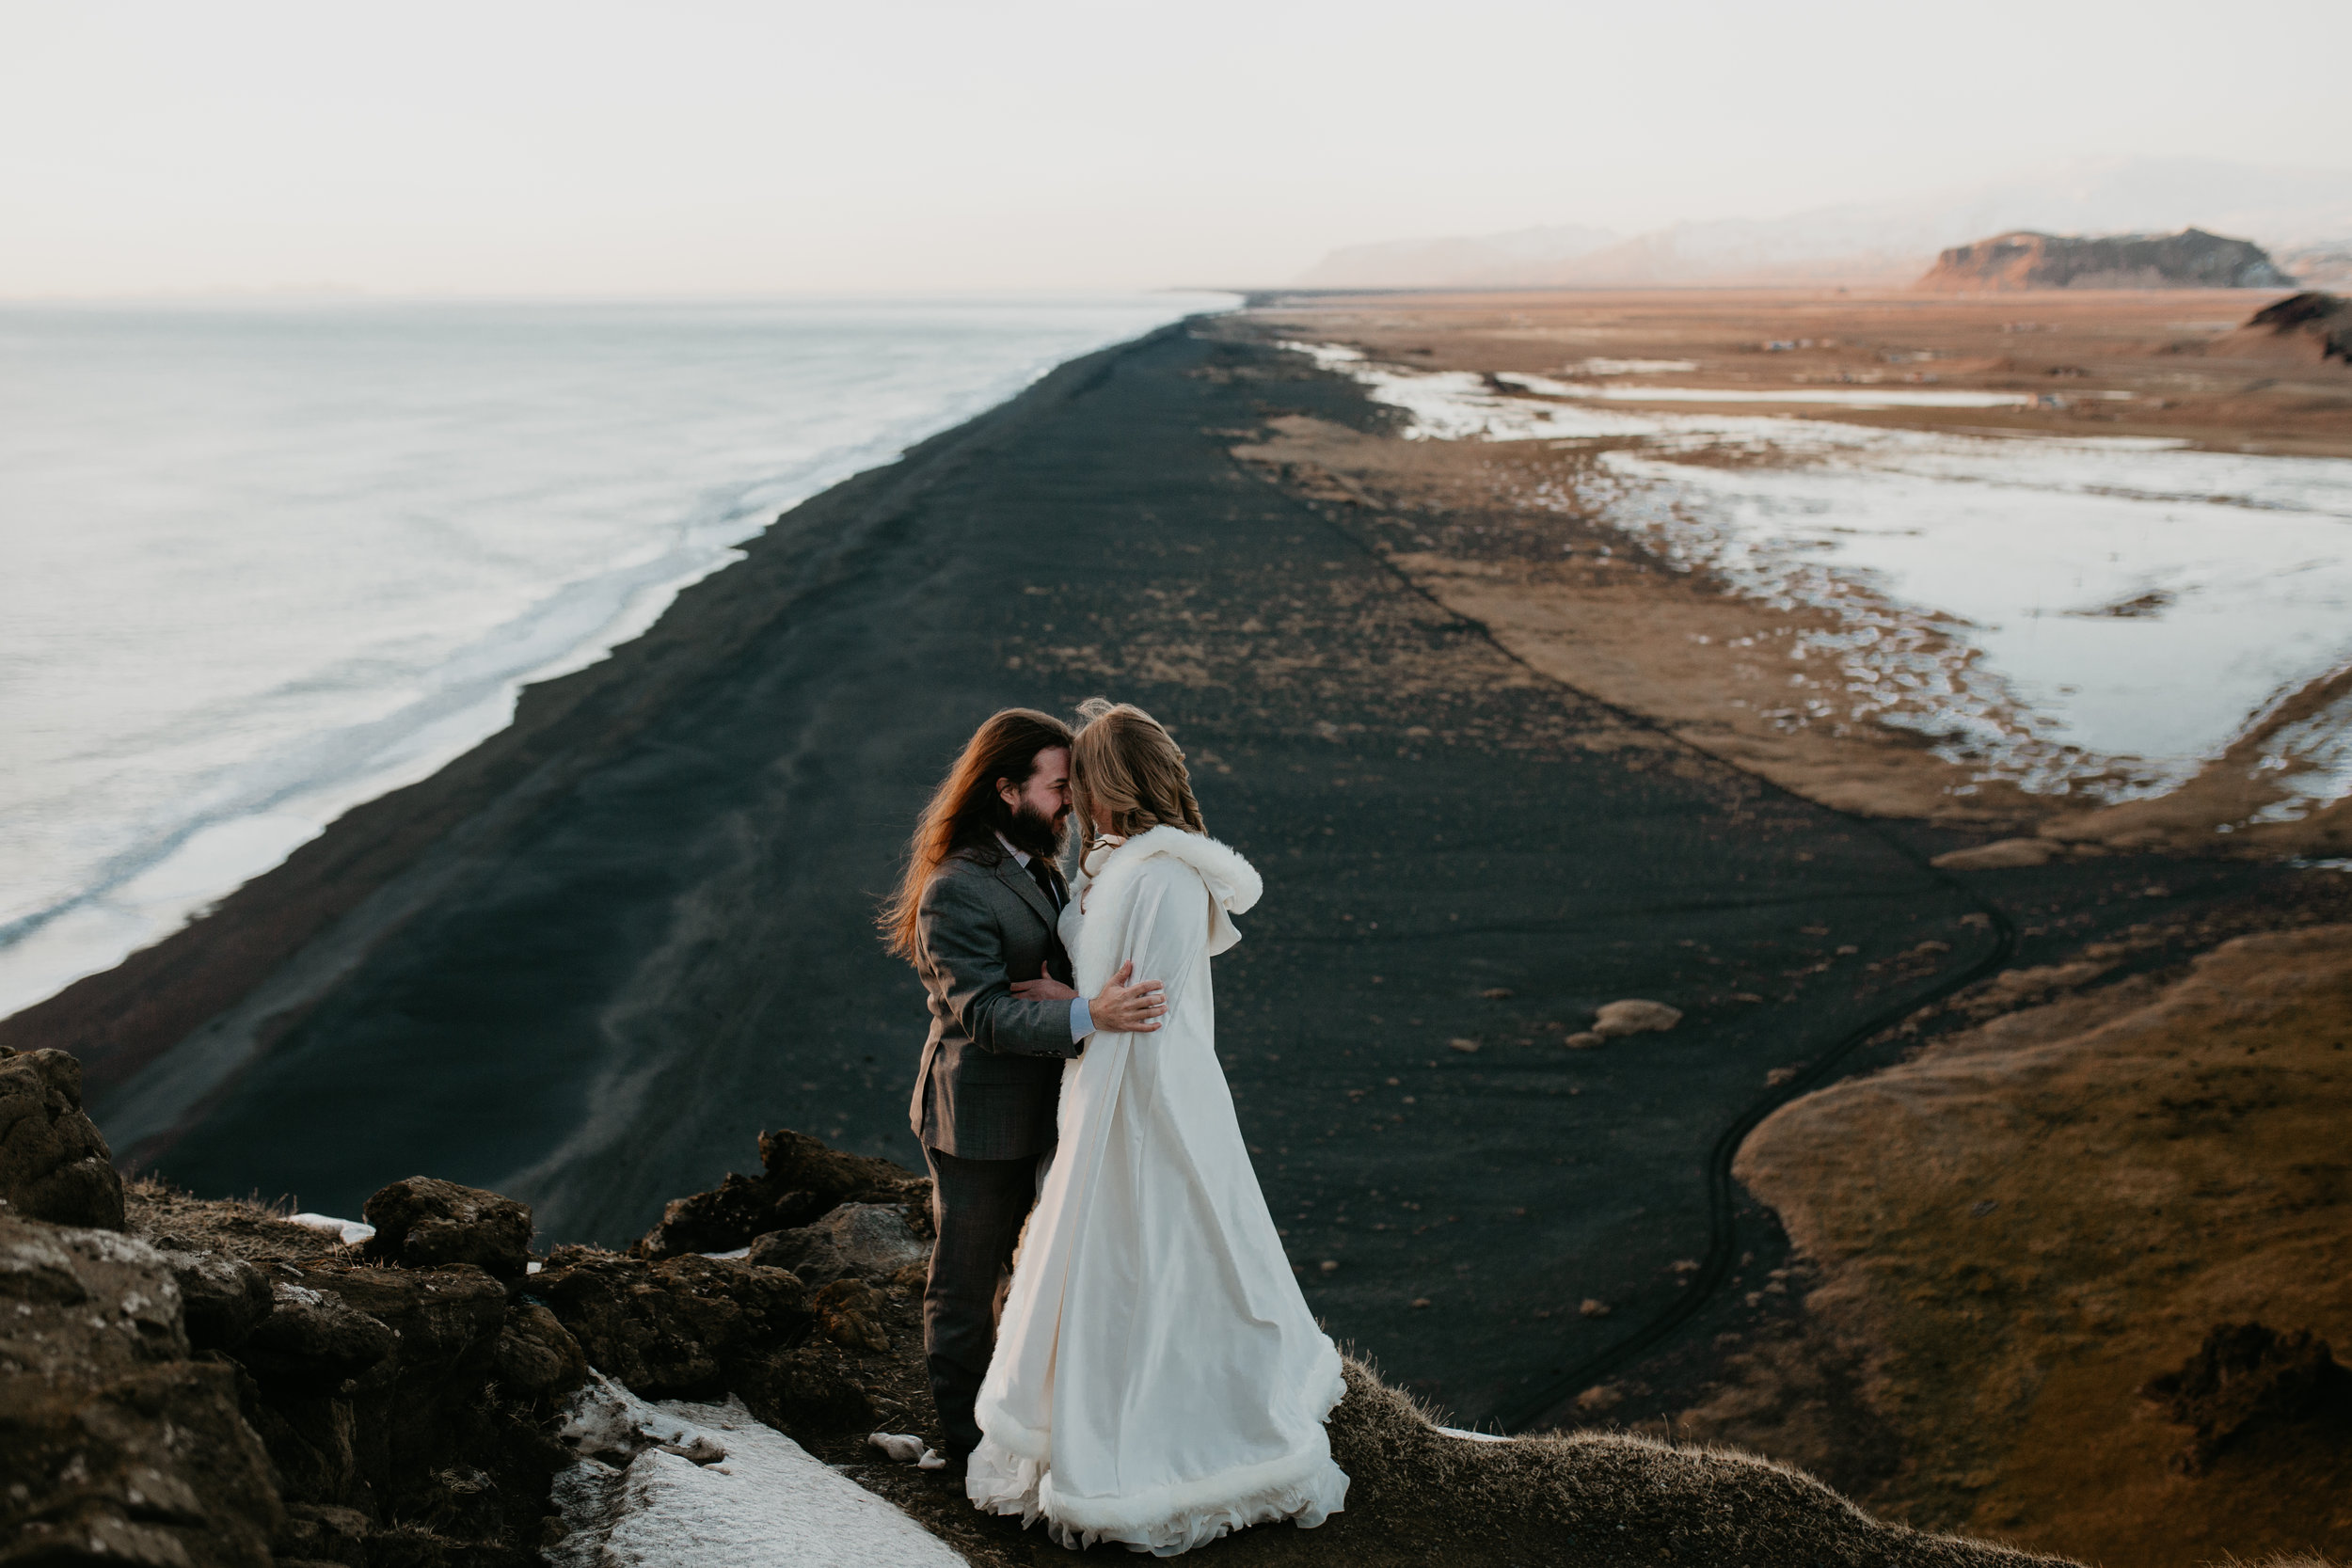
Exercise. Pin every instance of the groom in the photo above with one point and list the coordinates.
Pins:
(978, 914)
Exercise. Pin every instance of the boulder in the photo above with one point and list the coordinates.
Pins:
(114, 1444)
(673, 1328)
(447, 1319)
(537, 1354)
(423, 1221)
(312, 1343)
(1634, 1017)
(416, 1435)
(2244, 1375)
(796, 1160)
(222, 1299)
(2006, 854)
(54, 1166)
(801, 1178)
(728, 1216)
(866, 1240)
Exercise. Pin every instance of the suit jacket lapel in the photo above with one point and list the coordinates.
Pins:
(1008, 871)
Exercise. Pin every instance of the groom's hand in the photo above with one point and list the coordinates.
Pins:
(1125, 1009)
(1043, 989)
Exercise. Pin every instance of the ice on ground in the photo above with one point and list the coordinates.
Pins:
(349, 1232)
(1474, 1437)
(2102, 614)
(1846, 397)
(2311, 762)
(1638, 367)
(683, 1485)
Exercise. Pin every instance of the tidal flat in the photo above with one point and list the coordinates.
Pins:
(2058, 571)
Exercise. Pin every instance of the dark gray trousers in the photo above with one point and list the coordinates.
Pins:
(978, 1206)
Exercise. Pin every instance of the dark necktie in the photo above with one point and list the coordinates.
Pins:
(1040, 872)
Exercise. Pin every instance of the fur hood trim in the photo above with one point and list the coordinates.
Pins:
(1233, 880)
(1232, 883)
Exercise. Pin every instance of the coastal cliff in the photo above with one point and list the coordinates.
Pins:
(199, 1383)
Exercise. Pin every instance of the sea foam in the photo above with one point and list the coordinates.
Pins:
(260, 564)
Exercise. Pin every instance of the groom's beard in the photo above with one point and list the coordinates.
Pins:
(1036, 835)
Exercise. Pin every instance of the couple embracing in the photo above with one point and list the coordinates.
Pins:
(1149, 1374)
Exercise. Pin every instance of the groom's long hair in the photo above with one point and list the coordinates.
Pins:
(966, 809)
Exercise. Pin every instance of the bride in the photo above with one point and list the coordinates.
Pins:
(1157, 1379)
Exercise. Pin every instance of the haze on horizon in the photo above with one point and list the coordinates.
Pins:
(731, 148)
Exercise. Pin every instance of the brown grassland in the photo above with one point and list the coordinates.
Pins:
(2005, 1237)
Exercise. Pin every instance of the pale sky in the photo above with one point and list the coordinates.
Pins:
(702, 148)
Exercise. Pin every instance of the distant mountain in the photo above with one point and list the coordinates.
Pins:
(1881, 243)
(2326, 265)
(1417, 263)
(2023, 259)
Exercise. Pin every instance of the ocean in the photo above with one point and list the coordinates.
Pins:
(264, 561)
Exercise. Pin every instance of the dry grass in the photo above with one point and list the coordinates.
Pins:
(2021, 1227)
(1420, 1497)
(249, 1228)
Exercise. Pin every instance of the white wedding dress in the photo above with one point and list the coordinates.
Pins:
(1158, 1380)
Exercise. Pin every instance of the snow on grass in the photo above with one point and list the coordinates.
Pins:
(679, 1484)
(2098, 614)
(1638, 367)
(1847, 396)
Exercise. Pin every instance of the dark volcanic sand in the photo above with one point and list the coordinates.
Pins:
(640, 930)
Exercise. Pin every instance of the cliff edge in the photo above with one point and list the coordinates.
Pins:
(207, 1384)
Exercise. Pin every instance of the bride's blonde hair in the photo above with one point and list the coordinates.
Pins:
(1127, 773)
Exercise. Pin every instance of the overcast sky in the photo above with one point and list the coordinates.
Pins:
(592, 148)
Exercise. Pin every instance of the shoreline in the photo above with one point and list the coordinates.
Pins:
(120, 1021)
(587, 963)
(341, 654)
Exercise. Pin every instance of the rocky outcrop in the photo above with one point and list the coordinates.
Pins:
(422, 1222)
(222, 1299)
(800, 1180)
(2305, 329)
(862, 1240)
(2023, 259)
(114, 1441)
(53, 1163)
(2245, 1375)
(234, 1394)
(685, 1328)
(1635, 1017)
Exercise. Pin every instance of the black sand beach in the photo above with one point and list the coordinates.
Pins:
(586, 964)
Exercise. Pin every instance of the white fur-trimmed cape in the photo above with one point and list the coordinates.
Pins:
(1232, 882)
(1158, 1380)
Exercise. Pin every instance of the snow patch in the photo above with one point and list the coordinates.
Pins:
(350, 1232)
(1960, 567)
(679, 1484)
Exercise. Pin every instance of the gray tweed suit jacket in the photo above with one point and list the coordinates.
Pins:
(990, 1079)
